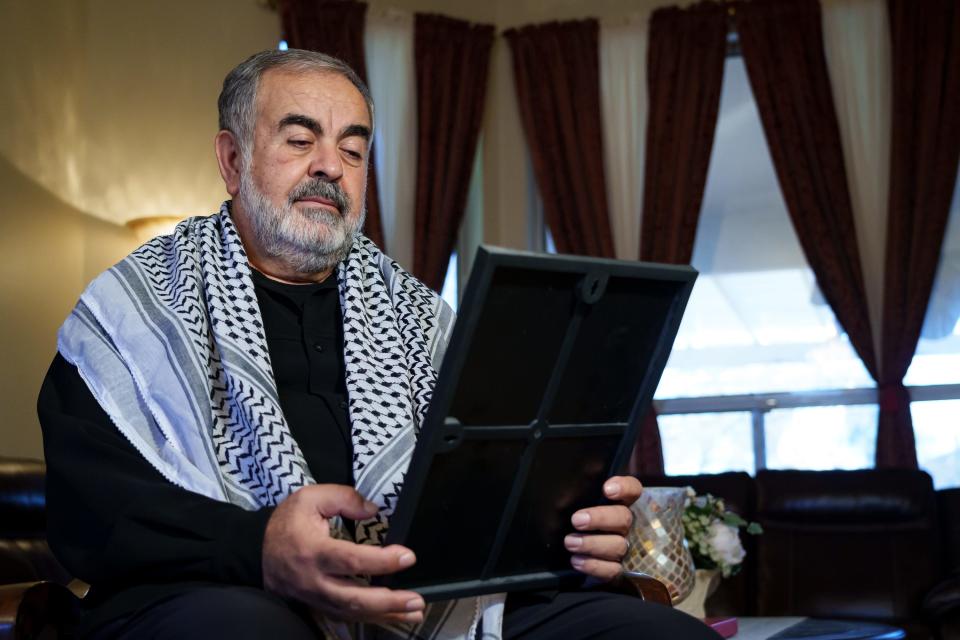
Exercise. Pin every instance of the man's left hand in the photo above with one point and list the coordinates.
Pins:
(600, 542)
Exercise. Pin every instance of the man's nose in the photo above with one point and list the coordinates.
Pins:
(326, 163)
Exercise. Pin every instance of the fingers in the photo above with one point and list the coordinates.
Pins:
(603, 547)
(623, 489)
(602, 569)
(345, 599)
(610, 519)
(343, 558)
(337, 500)
(297, 546)
(302, 562)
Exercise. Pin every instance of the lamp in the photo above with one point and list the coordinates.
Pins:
(149, 227)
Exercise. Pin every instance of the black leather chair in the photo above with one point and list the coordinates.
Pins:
(942, 603)
(24, 554)
(862, 545)
(34, 599)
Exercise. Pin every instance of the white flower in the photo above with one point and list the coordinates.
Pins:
(725, 547)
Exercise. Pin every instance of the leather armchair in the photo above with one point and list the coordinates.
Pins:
(34, 602)
(24, 553)
(941, 605)
(848, 544)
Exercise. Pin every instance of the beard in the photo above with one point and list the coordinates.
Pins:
(310, 240)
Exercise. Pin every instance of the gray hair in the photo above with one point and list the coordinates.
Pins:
(238, 97)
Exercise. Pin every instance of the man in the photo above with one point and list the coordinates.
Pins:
(232, 407)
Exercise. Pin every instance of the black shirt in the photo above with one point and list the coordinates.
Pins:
(305, 337)
(116, 523)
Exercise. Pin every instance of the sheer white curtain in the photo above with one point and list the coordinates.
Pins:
(388, 42)
(856, 36)
(623, 101)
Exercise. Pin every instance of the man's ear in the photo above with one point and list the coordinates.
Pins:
(229, 160)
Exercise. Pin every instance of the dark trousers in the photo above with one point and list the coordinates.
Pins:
(244, 613)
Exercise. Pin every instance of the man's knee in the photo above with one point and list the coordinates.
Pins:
(599, 616)
(239, 613)
(631, 618)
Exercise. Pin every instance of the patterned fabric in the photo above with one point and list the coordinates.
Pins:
(171, 343)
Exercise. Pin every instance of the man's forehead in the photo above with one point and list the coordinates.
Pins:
(282, 91)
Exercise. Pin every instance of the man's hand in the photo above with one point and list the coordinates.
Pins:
(302, 561)
(601, 539)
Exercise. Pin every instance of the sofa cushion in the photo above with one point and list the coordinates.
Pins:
(24, 554)
(847, 544)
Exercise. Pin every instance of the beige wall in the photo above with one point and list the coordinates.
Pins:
(50, 250)
(107, 112)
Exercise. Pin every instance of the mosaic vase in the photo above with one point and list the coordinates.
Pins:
(657, 544)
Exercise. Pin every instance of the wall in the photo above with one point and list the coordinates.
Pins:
(50, 250)
(107, 113)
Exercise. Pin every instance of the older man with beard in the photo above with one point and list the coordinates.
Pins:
(231, 406)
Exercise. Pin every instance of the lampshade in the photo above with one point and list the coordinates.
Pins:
(150, 227)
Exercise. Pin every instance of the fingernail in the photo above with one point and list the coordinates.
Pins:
(577, 562)
(406, 560)
(612, 489)
(573, 542)
(414, 605)
(580, 519)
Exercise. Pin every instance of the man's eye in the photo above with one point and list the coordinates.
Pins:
(300, 144)
(356, 155)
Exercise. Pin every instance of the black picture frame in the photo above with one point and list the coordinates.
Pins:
(551, 366)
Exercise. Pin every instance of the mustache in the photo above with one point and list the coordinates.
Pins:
(318, 188)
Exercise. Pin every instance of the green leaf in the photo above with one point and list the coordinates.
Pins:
(733, 519)
(754, 529)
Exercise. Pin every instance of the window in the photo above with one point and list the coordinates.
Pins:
(937, 434)
(707, 442)
(756, 321)
(937, 362)
(761, 374)
(757, 324)
(469, 237)
(757, 335)
(830, 437)
(451, 290)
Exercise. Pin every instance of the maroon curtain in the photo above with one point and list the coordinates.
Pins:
(684, 74)
(556, 71)
(782, 45)
(451, 58)
(335, 27)
(924, 153)
(685, 62)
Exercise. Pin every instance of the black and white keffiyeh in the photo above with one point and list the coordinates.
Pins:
(171, 343)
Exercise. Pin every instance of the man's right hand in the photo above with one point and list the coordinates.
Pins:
(302, 561)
